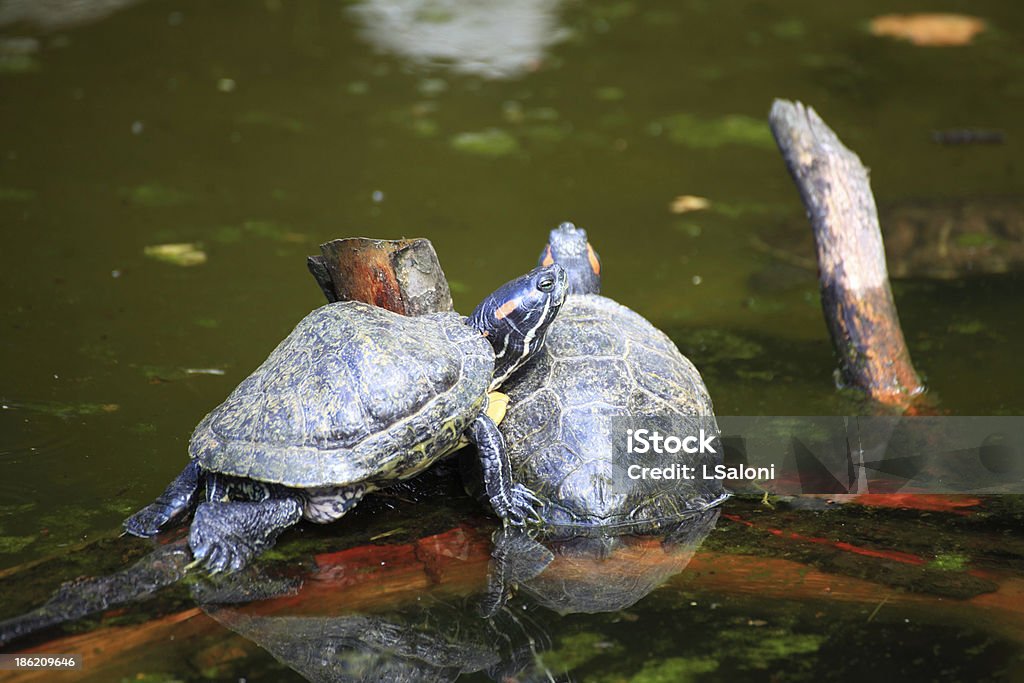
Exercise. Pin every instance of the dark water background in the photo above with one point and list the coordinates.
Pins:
(260, 129)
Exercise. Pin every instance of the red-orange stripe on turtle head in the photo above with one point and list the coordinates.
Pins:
(548, 258)
(595, 265)
(506, 308)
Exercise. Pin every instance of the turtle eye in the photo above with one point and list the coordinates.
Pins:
(546, 283)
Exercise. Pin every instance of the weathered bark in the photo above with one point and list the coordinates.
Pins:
(403, 276)
(855, 292)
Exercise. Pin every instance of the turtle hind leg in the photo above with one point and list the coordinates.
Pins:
(176, 499)
(225, 536)
(513, 502)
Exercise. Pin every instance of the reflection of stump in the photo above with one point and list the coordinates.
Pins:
(403, 276)
(855, 293)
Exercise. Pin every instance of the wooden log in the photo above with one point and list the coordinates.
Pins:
(855, 292)
(403, 276)
(113, 652)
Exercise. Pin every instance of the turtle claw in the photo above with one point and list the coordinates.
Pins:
(225, 537)
(519, 507)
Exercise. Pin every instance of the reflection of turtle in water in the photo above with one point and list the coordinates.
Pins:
(940, 240)
(354, 398)
(427, 641)
(592, 573)
(604, 368)
(440, 636)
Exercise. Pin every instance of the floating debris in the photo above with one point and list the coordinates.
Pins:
(968, 136)
(161, 374)
(204, 371)
(179, 254)
(929, 30)
(687, 202)
(62, 410)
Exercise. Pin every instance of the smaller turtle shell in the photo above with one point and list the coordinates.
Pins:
(355, 393)
(603, 367)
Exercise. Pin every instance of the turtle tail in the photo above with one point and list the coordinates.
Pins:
(178, 498)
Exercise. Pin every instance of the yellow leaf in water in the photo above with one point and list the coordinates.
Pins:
(180, 254)
(687, 202)
(932, 30)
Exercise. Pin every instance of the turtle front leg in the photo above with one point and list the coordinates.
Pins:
(225, 536)
(176, 499)
(513, 502)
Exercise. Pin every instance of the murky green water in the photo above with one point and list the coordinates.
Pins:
(257, 131)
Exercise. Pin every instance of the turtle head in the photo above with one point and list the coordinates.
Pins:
(516, 317)
(568, 247)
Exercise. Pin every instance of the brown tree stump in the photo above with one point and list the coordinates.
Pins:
(403, 276)
(855, 293)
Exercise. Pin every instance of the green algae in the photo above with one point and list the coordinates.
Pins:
(15, 544)
(18, 64)
(491, 142)
(154, 195)
(716, 346)
(14, 194)
(691, 131)
(577, 649)
(760, 648)
(949, 562)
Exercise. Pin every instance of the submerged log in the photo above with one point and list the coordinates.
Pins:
(403, 276)
(444, 566)
(855, 292)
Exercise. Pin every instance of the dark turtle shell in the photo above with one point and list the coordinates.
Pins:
(355, 393)
(603, 367)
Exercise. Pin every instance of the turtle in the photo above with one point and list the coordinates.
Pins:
(603, 369)
(354, 398)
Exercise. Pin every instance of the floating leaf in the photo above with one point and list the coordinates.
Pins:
(492, 142)
(685, 203)
(204, 371)
(929, 30)
(180, 254)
